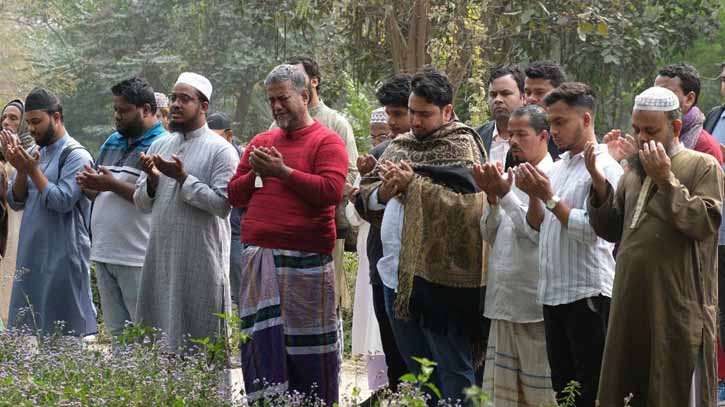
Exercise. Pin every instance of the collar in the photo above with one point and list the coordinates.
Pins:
(676, 149)
(546, 163)
(299, 133)
(57, 146)
(150, 133)
(598, 149)
(196, 133)
(317, 109)
(722, 114)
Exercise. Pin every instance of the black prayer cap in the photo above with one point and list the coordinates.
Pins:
(219, 121)
(42, 99)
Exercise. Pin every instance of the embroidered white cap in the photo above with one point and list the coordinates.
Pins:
(379, 116)
(196, 81)
(656, 99)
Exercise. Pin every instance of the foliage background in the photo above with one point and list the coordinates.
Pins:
(80, 48)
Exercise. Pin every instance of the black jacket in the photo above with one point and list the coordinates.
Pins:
(713, 116)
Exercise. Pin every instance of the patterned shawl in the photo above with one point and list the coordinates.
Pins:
(691, 127)
(440, 273)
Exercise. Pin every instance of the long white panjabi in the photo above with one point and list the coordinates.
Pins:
(365, 330)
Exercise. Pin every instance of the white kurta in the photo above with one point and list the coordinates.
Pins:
(365, 329)
(185, 274)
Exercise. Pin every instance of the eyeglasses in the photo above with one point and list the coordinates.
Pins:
(183, 98)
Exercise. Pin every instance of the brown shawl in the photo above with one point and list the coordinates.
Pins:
(440, 271)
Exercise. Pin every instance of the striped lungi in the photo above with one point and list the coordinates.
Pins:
(517, 369)
(287, 307)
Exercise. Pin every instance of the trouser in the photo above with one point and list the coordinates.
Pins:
(393, 358)
(575, 335)
(452, 353)
(235, 269)
(118, 288)
(721, 291)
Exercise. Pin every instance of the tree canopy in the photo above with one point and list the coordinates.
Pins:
(80, 48)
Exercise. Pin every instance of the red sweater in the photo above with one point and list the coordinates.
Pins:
(708, 145)
(299, 213)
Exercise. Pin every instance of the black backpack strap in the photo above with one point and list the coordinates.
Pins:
(66, 152)
(61, 162)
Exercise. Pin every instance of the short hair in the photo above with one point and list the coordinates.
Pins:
(395, 91)
(538, 119)
(502, 71)
(286, 72)
(574, 94)
(550, 71)
(673, 115)
(433, 86)
(312, 69)
(136, 91)
(689, 77)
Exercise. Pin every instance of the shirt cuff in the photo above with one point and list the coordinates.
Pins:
(373, 202)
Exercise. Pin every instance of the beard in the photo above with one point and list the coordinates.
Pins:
(578, 134)
(635, 164)
(47, 137)
(288, 122)
(185, 125)
(133, 129)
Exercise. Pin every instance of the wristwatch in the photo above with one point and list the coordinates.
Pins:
(551, 203)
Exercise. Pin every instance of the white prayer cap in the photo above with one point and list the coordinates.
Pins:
(196, 81)
(379, 116)
(161, 100)
(656, 99)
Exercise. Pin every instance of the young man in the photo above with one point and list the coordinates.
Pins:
(120, 230)
(52, 285)
(393, 95)
(185, 280)
(576, 268)
(290, 179)
(432, 284)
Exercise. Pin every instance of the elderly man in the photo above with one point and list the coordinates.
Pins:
(666, 211)
(53, 281)
(517, 370)
(185, 278)
(290, 179)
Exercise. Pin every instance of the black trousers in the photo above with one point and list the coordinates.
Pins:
(395, 362)
(575, 336)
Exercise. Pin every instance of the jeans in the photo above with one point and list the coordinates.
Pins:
(451, 352)
(393, 358)
(118, 287)
(235, 269)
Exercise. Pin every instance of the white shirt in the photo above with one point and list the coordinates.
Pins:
(574, 263)
(391, 232)
(513, 267)
(499, 147)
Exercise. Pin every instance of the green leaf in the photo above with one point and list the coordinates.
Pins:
(408, 378)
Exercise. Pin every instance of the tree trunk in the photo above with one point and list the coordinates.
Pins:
(244, 100)
(398, 47)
